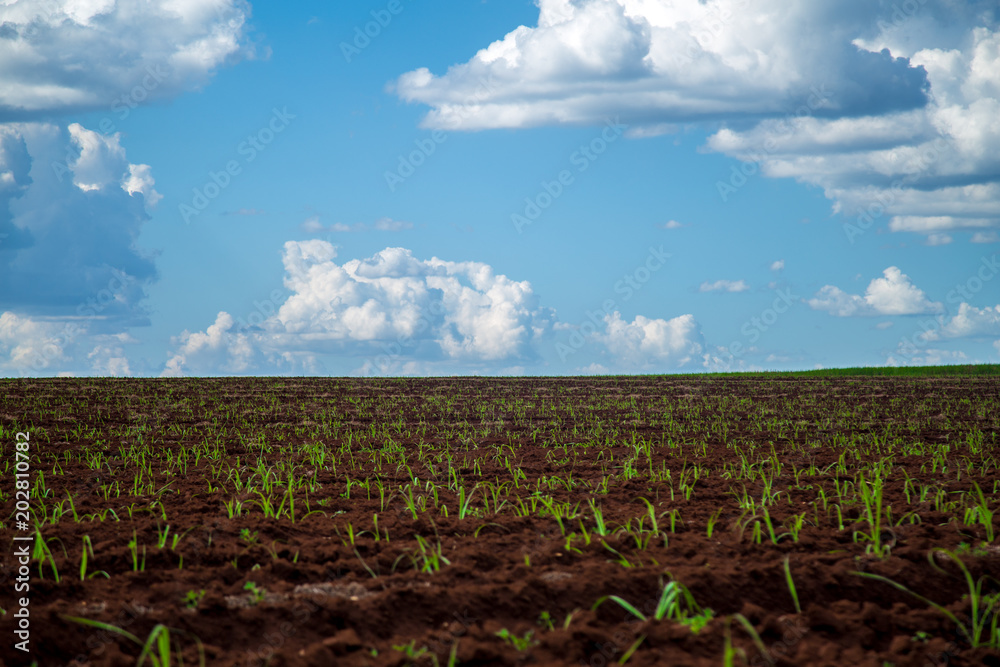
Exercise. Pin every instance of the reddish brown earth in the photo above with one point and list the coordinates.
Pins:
(327, 602)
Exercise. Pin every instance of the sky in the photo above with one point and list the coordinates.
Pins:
(560, 187)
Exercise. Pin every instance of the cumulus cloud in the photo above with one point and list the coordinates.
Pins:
(392, 308)
(108, 357)
(893, 294)
(29, 346)
(890, 108)
(73, 194)
(652, 344)
(73, 55)
(661, 62)
(724, 286)
(778, 265)
(218, 349)
(931, 170)
(969, 321)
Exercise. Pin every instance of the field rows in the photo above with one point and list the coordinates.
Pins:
(641, 521)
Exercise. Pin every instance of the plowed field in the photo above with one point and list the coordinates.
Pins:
(571, 521)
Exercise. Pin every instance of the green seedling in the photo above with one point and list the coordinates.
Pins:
(982, 629)
(519, 643)
(256, 594)
(791, 586)
(676, 603)
(157, 648)
(193, 598)
(248, 538)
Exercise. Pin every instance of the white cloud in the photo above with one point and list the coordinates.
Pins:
(66, 55)
(29, 346)
(929, 170)
(938, 239)
(986, 237)
(892, 112)
(658, 62)
(893, 294)
(218, 349)
(390, 225)
(721, 360)
(652, 344)
(109, 361)
(969, 321)
(928, 357)
(778, 265)
(929, 224)
(102, 163)
(391, 308)
(313, 226)
(73, 195)
(724, 286)
(670, 224)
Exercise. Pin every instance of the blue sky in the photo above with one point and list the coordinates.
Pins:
(560, 187)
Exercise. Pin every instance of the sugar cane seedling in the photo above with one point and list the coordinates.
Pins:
(257, 594)
(161, 535)
(627, 655)
(157, 648)
(676, 603)
(791, 586)
(133, 547)
(981, 513)
(42, 553)
(983, 628)
(601, 528)
(712, 520)
(754, 637)
(88, 548)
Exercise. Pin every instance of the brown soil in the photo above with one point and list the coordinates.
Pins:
(321, 600)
